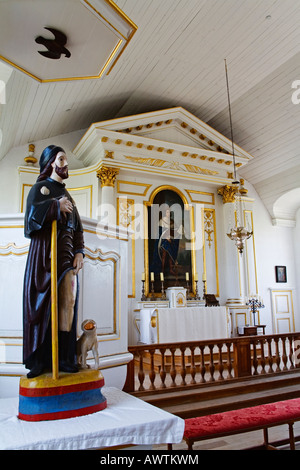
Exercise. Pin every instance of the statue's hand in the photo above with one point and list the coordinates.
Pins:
(77, 263)
(65, 205)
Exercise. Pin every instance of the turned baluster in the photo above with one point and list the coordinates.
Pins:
(141, 374)
(202, 368)
(220, 364)
(229, 363)
(277, 355)
(162, 369)
(211, 363)
(296, 352)
(284, 355)
(193, 366)
(255, 361)
(270, 355)
(152, 373)
(291, 354)
(173, 367)
(183, 368)
(262, 356)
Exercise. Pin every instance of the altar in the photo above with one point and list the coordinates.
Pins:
(126, 421)
(167, 325)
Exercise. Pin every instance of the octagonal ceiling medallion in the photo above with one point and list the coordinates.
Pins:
(96, 33)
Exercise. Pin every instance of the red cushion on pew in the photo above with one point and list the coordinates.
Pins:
(238, 420)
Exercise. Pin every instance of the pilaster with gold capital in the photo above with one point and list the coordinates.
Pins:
(232, 269)
(228, 193)
(241, 269)
(107, 176)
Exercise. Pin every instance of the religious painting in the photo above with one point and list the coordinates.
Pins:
(280, 272)
(169, 248)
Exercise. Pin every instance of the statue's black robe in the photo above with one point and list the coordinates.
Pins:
(42, 208)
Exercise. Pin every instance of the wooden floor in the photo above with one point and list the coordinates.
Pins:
(240, 441)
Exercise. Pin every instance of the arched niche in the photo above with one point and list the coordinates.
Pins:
(169, 239)
(285, 208)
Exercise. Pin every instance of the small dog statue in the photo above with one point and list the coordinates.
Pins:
(87, 342)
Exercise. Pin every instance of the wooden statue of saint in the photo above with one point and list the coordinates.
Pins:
(49, 200)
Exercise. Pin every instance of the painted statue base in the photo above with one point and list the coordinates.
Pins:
(44, 398)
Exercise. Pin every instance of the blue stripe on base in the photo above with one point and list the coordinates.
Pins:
(58, 403)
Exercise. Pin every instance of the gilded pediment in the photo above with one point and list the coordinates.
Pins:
(178, 132)
(171, 140)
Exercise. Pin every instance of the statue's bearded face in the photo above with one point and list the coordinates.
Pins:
(60, 165)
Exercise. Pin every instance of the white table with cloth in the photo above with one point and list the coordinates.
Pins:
(191, 323)
(126, 420)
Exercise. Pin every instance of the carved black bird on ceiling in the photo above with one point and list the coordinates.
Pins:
(56, 47)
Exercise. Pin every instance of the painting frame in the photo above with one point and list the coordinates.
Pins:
(168, 195)
(280, 274)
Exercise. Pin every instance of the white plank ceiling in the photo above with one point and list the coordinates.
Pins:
(176, 58)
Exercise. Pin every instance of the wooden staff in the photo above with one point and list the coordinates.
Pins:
(54, 309)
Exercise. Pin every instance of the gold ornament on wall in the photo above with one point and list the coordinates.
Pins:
(209, 226)
(30, 159)
(109, 154)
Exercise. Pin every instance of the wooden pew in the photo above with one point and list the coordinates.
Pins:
(244, 420)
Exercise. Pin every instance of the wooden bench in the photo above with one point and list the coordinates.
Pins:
(244, 420)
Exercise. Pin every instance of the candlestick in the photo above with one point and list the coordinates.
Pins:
(143, 298)
(152, 291)
(152, 286)
(204, 288)
(188, 297)
(163, 294)
(255, 304)
(196, 290)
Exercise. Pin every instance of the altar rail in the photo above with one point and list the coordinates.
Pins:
(169, 365)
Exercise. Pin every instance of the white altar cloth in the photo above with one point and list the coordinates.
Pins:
(191, 324)
(126, 420)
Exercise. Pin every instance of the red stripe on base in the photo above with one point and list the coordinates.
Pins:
(60, 390)
(64, 414)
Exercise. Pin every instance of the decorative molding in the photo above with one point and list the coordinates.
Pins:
(198, 170)
(203, 196)
(12, 249)
(123, 187)
(147, 161)
(126, 218)
(283, 222)
(110, 260)
(157, 162)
